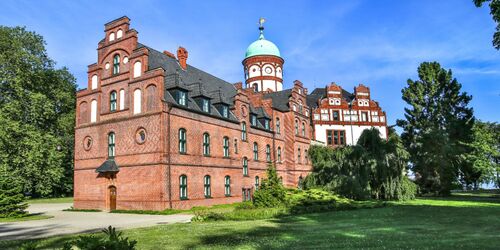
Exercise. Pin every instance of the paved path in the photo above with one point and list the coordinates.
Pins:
(79, 222)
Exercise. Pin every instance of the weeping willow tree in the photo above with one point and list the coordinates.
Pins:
(374, 168)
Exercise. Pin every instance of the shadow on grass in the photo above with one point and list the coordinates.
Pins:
(397, 226)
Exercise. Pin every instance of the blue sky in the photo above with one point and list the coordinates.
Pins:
(378, 43)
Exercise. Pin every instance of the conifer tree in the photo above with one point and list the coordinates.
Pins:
(437, 127)
(12, 200)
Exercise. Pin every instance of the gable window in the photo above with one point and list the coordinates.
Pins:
(137, 101)
(268, 153)
(278, 126)
(298, 155)
(205, 104)
(227, 185)
(245, 166)
(226, 146)
(206, 144)
(303, 129)
(116, 64)
(111, 145)
(183, 187)
(336, 116)
(257, 182)
(206, 185)
(255, 151)
(279, 154)
(225, 111)
(137, 69)
(93, 111)
(243, 131)
(335, 137)
(112, 101)
(253, 120)
(182, 97)
(182, 141)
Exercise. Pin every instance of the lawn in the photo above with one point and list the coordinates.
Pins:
(456, 222)
(51, 200)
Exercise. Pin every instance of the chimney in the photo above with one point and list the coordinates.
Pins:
(169, 54)
(182, 55)
(238, 85)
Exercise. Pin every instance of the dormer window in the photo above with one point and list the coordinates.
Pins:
(116, 64)
(266, 124)
(205, 105)
(182, 98)
(253, 120)
(225, 111)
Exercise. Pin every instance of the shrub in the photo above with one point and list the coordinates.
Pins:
(271, 192)
(113, 240)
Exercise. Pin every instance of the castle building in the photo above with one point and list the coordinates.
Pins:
(154, 132)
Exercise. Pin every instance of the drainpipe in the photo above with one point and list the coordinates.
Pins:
(169, 109)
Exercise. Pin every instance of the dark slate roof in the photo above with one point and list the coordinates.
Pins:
(261, 113)
(319, 93)
(108, 166)
(280, 99)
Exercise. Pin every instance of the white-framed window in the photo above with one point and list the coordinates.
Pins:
(137, 101)
(137, 69)
(93, 111)
(94, 82)
(112, 36)
(119, 34)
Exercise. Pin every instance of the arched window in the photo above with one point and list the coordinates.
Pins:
(303, 129)
(122, 99)
(111, 145)
(93, 111)
(227, 185)
(257, 182)
(116, 64)
(279, 154)
(94, 82)
(206, 144)
(83, 118)
(206, 185)
(182, 141)
(268, 153)
(300, 106)
(243, 131)
(245, 166)
(137, 69)
(112, 36)
(225, 144)
(278, 126)
(112, 101)
(306, 156)
(137, 101)
(183, 187)
(119, 34)
(151, 97)
(296, 127)
(255, 151)
(235, 146)
(255, 87)
(298, 155)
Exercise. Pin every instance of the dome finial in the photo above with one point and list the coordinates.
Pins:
(261, 28)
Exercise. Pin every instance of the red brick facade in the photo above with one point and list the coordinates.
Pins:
(150, 167)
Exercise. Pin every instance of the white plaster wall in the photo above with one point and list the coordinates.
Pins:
(251, 73)
(268, 84)
(264, 70)
(320, 131)
(279, 72)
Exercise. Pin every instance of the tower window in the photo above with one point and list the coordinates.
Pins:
(255, 87)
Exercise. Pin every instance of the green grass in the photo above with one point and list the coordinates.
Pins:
(51, 200)
(457, 222)
(26, 218)
(214, 208)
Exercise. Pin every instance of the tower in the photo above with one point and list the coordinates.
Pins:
(263, 65)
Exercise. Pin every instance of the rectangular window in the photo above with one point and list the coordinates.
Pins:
(182, 98)
(226, 146)
(266, 123)
(253, 120)
(335, 137)
(227, 186)
(182, 141)
(336, 116)
(245, 166)
(255, 151)
(183, 187)
(225, 111)
(206, 185)
(364, 116)
(205, 105)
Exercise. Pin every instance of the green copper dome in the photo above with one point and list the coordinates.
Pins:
(262, 47)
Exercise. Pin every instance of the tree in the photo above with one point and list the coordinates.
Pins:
(37, 108)
(495, 14)
(437, 127)
(271, 192)
(374, 168)
(12, 200)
